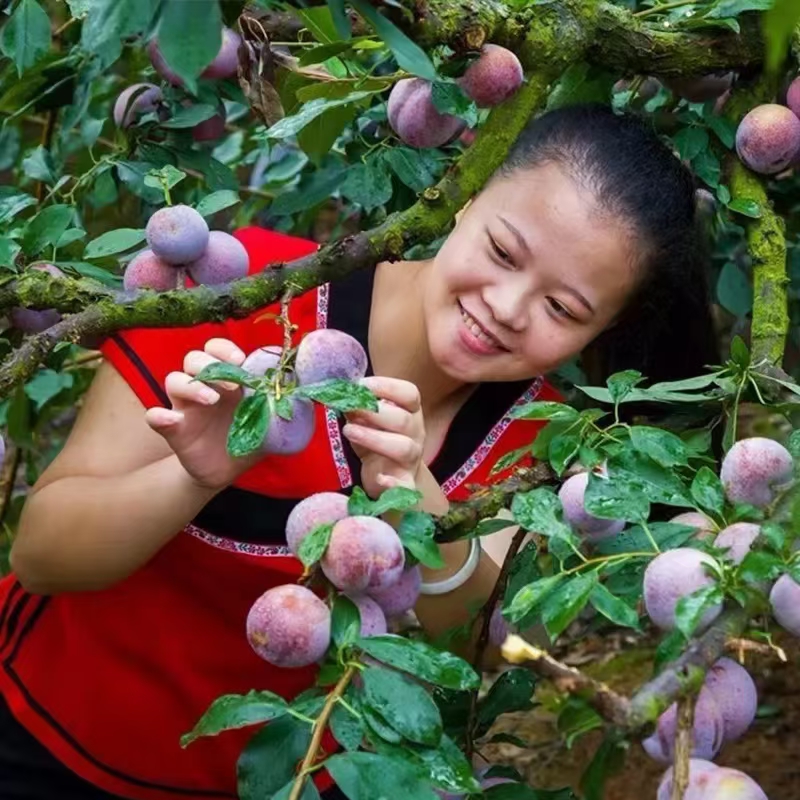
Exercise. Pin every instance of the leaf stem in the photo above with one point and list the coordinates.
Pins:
(664, 7)
(646, 529)
(319, 729)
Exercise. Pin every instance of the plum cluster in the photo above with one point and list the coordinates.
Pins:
(142, 98)
(290, 625)
(489, 80)
(180, 243)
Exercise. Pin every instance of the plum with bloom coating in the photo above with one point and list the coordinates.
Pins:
(322, 508)
(177, 234)
(225, 259)
(753, 468)
(415, 119)
(328, 353)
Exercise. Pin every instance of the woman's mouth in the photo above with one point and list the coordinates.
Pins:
(476, 337)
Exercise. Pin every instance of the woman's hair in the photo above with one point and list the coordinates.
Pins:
(666, 331)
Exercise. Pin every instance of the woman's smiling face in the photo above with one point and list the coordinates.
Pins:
(531, 274)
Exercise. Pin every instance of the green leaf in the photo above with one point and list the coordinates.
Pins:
(724, 128)
(216, 201)
(615, 497)
(689, 142)
(512, 691)
(621, 383)
(340, 18)
(580, 83)
(108, 22)
(545, 409)
(563, 449)
(663, 447)
(318, 137)
(747, 208)
(707, 490)
(220, 371)
(614, 609)
(758, 566)
(734, 290)
(775, 535)
(319, 186)
(310, 791)
(661, 485)
(607, 761)
(667, 535)
(314, 545)
(404, 704)
(417, 658)
(540, 511)
(416, 531)
(18, 419)
(446, 766)
(236, 711)
(271, 757)
(189, 36)
(347, 728)
(509, 459)
(25, 37)
(12, 202)
(46, 228)
(409, 55)
(370, 776)
(114, 242)
(189, 116)
(320, 23)
(250, 425)
(342, 396)
(778, 25)
(306, 113)
(668, 650)
(379, 726)
(359, 504)
(707, 167)
(577, 718)
(690, 608)
(345, 619)
(409, 166)
(368, 184)
(165, 177)
(530, 597)
(564, 604)
(732, 8)
(449, 98)
(46, 384)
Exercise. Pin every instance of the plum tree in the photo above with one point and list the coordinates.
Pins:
(754, 468)
(226, 61)
(134, 101)
(593, 528)
(738, 538)
(225, 259)
(768, 138)
(364, 554)
(698, 769)
(177, 234)
(401, 596)
(29, 320)
(707, 730)
(735, 694)
(414, 118)
(785, 601)
(147, 271)
(704, 525)
(289, 626)
(373, 620)
(326, 354)
(493, 77)
(698, 89)
(669, 577)
(289, 436)
(322, 508)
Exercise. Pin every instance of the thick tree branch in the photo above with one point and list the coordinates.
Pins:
(430, 217)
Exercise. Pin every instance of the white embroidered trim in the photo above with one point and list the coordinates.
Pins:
(331, 419)
(221, 543)
(479, 456)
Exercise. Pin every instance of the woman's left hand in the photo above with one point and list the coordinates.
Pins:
(389, 442)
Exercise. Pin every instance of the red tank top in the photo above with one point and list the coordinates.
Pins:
(109, 681)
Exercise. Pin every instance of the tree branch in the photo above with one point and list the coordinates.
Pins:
(683, 747)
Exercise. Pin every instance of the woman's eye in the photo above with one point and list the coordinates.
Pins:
(499, 252)
(558, 309)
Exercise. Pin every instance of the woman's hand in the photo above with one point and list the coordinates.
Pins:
(196, 427)
(389, 442)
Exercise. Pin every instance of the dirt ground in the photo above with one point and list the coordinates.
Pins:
(769, 752)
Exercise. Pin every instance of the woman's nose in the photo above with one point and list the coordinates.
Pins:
(508, 302)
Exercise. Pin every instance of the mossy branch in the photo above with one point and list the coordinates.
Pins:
(97, 310)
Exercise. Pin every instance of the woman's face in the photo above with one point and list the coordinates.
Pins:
(530, 275)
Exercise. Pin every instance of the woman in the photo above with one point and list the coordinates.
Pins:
(144, 544)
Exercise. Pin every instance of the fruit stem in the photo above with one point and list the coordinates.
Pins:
(319, 729)
(683, 747)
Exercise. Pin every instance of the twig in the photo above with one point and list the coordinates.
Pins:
(47, 140)
(319, 730)
(8, 476)
(665, 7)
(683, 747)
(485, 615)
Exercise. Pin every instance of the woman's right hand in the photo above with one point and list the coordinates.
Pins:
(196, 427)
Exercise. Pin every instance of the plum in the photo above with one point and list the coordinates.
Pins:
(785, 601)
(735, 694)
(698, 769)
(289, 626)
(768, 138)
(738, 539)
(364, 554)
(225, 259)
(793, 96)
(134, 101)
(698, 89)
(498, 628)
(226, 61)
(326, 354)
(401, 596)
(177, 234)
(669, 577)
(707, 731)
(2, 451)
(592, 528)
(414, 118)
(289, 436)
(322, 508)
(31, 320)
(493, 77)
(704, 526)
(731, 784)
(160, 65)
(212, 128)
(753, 468)
(147, 271)
(373, 620)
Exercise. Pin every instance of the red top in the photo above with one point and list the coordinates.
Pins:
(109, 681)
